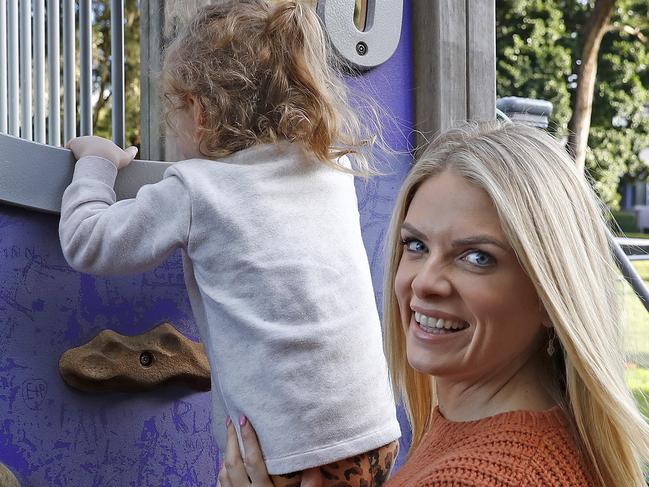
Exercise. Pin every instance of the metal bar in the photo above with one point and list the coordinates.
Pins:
(35, 175)
(117, 69)
(54, 73)
(69, 85)
(629, 272)
(85, 79)
(3, 66)
(26, 69)
(39, 71)
(12, 60)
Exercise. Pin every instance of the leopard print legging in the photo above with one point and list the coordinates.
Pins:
(369, 469)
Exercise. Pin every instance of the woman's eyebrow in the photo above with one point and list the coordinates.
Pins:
(415, 233)
(460, 242)
(479, 239)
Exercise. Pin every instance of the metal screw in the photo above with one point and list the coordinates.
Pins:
(361, 48)
(146, 359)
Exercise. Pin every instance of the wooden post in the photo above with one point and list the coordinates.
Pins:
(481, 59)
(160, 20)
(454, 48)
(151, 45)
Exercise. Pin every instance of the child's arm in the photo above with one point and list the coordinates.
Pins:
(101, 236)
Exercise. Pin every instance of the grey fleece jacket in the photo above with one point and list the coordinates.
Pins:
(279, 283)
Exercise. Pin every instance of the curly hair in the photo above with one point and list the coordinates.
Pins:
(263, 73)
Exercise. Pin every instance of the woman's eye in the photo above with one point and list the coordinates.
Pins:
(479, 258)
(413, 245)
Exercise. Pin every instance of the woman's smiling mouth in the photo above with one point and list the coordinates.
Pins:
(437, 326)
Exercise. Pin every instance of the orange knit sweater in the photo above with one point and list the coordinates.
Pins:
(518, 448)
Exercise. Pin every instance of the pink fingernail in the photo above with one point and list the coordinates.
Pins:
(228, 422)
(242, 420)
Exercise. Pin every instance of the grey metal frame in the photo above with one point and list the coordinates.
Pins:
(85, 60)
(54, 72)
(3, 65)
(52, 168)
(25, 31)
(69, 88)
(629, 272)
(39, 71)
(26, 44)
(117, 69)
(13, 83)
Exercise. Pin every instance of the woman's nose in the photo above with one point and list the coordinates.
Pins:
(431, 280)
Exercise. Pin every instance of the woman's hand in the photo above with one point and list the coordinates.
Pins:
(251, 471)
(91, 145)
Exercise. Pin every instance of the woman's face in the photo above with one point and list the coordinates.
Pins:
(467, 307)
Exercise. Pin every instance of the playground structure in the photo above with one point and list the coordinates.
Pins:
(428, 65)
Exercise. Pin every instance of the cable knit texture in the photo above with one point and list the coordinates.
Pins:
(517, 448)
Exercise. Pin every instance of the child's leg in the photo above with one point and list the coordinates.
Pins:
(369, 469)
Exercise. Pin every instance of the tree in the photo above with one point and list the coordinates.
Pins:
(579, 124)
(539, 44)
(102, 110)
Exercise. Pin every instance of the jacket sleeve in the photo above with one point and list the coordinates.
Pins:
(101, 236)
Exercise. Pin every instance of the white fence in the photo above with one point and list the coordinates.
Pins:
(30, 54)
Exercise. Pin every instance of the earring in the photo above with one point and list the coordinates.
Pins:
(551, 348)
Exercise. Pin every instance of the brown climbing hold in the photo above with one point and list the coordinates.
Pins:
(7, 479)
(114, 362)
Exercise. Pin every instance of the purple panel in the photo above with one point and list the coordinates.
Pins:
(391, 86)
(51, 435)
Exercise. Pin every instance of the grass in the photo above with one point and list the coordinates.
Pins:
(638, 380)
(637, 320)
(635, 235)
(637, 341)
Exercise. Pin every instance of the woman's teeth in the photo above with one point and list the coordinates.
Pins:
(430, 324)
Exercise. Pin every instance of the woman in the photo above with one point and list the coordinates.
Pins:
(502, 323)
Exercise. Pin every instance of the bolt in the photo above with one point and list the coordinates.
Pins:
(146, 359)
(361, 48)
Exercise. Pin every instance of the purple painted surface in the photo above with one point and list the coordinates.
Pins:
(51, 435)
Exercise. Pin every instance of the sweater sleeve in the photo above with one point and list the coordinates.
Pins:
(101, 236)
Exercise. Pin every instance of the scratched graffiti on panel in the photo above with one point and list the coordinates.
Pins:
(55, 436)
(52, 435)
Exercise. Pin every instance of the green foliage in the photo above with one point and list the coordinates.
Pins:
(625, 221)
(538, 46)
(102, 116)
(638, 381)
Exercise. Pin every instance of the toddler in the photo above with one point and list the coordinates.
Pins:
(265, 212)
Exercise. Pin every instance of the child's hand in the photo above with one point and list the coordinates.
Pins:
(91, 145)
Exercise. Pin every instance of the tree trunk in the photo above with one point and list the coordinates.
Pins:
(579, 124)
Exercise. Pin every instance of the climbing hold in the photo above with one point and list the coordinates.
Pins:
(114, 362)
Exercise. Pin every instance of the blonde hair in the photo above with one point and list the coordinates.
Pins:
(555, 225)
(263, 73)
